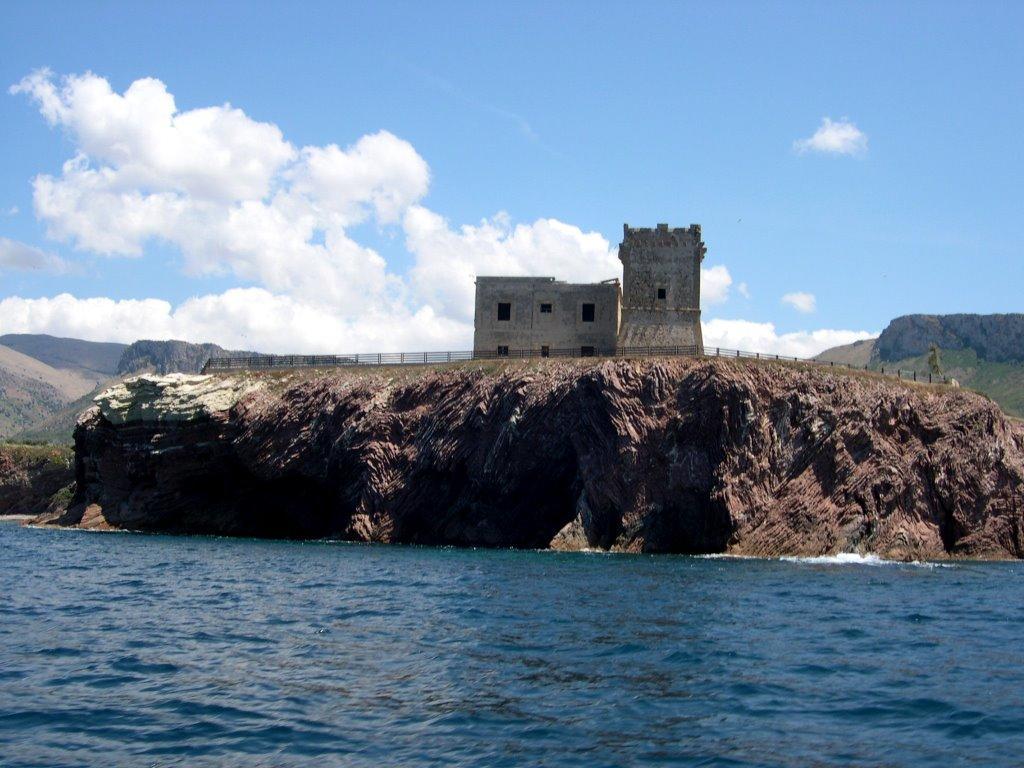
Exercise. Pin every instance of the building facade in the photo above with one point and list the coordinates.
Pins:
(541, 314)
(657, 304)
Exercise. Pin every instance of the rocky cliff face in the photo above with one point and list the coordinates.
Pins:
(996, 338)
(168, 357)
(684, 455)
(34, 479)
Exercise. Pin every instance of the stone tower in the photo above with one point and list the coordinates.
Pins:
(661, 287)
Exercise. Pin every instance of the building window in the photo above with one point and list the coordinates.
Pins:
(587, 351)
(588, 313)
(545, 309)
(545, 351)
(504, 311)
(661, 293)
(503, 351)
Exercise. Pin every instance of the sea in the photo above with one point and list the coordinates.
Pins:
(120, 649)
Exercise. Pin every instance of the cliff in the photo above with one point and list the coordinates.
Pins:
(995, 338)
(682, 455)
(34, 479)
(170, 356)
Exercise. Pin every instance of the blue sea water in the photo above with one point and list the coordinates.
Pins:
(135, 650)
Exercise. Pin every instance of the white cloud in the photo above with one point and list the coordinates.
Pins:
(12, 211)
(447, 260)
(240, 318)
(21, 256)
(762, 337)
(841, 138)
(714, 284)
(801, 301)
(210, 153)
(743, 290)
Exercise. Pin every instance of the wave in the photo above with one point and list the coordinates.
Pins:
(840, 558)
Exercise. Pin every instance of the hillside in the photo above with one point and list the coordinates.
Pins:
(982, 352)
(92, 359)
(31, 390)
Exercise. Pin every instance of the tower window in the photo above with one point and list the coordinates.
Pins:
(588, 313)
(661, 293)
(504, 311)
(545, 309)
(586, 351)
(502, 351)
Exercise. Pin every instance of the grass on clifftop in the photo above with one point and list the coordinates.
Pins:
(400, 374)
(1002, 382)
(24, 453)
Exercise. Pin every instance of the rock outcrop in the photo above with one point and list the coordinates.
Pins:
(34, 479)
(681, 455)
(995, 338)
(168, 356)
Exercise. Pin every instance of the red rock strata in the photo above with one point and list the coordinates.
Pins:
(682, 455)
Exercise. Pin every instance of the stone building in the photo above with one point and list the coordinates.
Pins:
(657, 305)
(661, 286)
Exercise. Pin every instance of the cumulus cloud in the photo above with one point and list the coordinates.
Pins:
(240, 318)
(839, 138)
(447, 259)
(762, 337)
(714, 284)
(801, 301)
(15, 255)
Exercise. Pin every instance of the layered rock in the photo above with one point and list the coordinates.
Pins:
(682, 455)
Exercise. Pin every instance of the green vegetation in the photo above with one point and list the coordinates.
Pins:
(1003, 382)
(34, 453)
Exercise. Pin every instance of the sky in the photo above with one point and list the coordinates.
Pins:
(326, 177)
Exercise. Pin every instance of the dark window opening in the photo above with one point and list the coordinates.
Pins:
(588, 313)
(503, 351)
(587, 351)
(661, 293)
(545, 351)
(545, 309)
(504, 311)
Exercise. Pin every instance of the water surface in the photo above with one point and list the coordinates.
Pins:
(124, 649)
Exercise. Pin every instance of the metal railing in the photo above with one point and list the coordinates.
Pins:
(269, 362)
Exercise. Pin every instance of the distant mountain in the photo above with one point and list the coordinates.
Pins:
(31, 390)
(168, 357)
(94, 359)
(995, 338)
(983, 352)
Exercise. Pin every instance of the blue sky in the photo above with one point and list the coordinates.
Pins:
(562, 119)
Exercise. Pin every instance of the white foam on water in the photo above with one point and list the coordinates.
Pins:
(840, 558)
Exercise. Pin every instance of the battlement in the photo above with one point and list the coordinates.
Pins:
(629, 232)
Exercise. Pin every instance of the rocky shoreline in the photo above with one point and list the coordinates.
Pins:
(681, 455)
